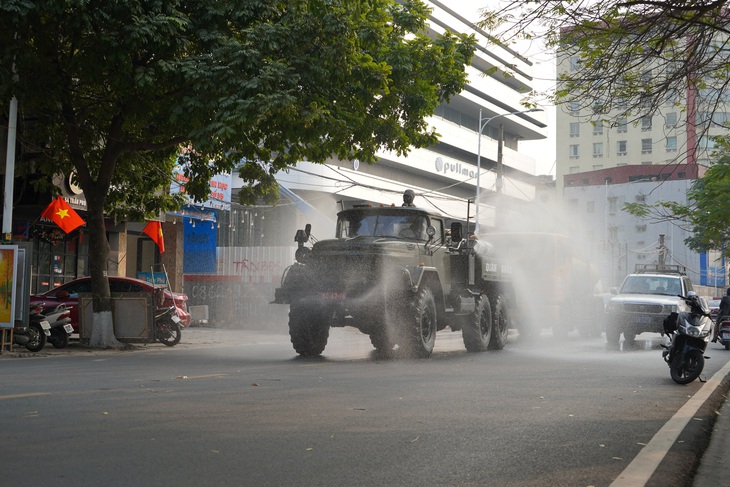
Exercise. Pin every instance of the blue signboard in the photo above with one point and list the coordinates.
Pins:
(200, 242)
(712, 273)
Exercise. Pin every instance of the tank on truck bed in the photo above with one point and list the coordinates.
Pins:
(398, 275)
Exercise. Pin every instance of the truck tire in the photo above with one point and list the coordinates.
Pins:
(381, 341)
(307, 330)
(420, 334)
(478, 331)
(500, 328)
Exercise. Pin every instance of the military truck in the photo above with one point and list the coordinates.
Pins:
(398, 275)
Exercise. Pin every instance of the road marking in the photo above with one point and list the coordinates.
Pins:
(204, 376)
(30, 394)
(640, 470)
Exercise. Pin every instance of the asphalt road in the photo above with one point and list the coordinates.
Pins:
(230, 407)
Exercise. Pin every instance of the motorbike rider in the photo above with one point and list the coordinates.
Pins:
(722, 313)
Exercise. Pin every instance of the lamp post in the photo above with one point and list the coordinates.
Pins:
(483, 123)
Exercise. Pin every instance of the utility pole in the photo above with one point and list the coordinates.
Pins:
(662, 251)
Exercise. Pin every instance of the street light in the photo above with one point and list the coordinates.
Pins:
(483, 124)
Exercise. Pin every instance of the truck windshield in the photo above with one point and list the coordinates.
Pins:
(412, 227)
(639, 284)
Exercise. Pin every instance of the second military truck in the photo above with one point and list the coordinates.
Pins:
(398, 275)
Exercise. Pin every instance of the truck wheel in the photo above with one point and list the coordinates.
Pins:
(307, 331)
(420, 336)
(478, 331)
(501, 325)
(381, 341)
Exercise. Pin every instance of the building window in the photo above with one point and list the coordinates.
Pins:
(574, 169)
(671, 144)
(575, 63)
(574, 151)
(612, 205)
(598, 149)
(646, 146)
(590, 207)
(621, 148)
(640, 228)
(640, 198)
(575, 129)
(670, 120)
(646, 124)
(573, 107)
(622, 125)
(598, 128)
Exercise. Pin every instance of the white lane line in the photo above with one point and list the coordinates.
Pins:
(640, 470)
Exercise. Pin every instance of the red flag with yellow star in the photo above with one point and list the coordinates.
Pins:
(154, 230)
(63, 215)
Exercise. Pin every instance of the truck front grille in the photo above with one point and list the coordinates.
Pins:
(643, 308)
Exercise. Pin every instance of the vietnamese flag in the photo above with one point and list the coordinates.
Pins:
(154, 230)
(63, 215)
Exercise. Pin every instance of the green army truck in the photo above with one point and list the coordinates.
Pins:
(398, 275)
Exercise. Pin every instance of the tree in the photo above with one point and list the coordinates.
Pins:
(631, 56)
(119, 89)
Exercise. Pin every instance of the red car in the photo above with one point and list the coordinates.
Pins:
(69, 295)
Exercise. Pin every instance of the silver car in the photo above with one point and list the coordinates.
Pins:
(642, 303)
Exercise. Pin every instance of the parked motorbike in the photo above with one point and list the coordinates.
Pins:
(35, 335)
(688, 332)
(723, 333)
(59, 318)
(167, 326)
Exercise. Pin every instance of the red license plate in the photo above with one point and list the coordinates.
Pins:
(333, 296)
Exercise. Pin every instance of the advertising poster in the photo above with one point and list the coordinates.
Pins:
(8, 272)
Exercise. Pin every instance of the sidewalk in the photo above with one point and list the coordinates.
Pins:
(195, 337)
(714, 469)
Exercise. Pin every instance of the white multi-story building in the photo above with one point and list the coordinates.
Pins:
(444, 176)
(678, 132)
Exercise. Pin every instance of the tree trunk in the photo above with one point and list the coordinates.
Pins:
(102, 331)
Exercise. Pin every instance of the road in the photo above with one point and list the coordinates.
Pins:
(230, 407)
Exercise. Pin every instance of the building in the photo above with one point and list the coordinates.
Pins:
(636, 157)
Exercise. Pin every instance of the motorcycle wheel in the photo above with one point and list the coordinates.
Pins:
(36, 338)
(59, 339)
(687, 367)
(169, 333)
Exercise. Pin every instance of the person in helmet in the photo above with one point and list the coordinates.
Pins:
(723, 312)
(408, 197)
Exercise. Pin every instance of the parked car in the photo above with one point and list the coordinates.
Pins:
(68, 294)
(644, 300)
